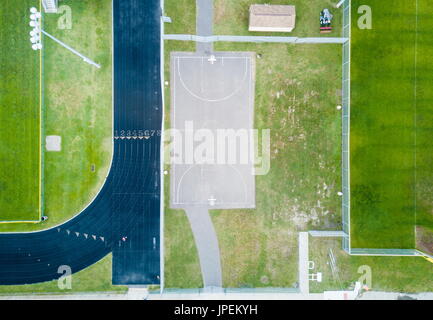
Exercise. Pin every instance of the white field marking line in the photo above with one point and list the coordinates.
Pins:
(162, 166)
(415, 114)
(180, 181)
(251, 119)
(214, 100)
(173, 125)
(348, 124)
(201, 75)
(41, 131)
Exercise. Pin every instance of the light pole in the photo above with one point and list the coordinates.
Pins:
(37, 32)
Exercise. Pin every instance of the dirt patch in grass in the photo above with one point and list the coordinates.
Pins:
(424, 240)
(219, 11)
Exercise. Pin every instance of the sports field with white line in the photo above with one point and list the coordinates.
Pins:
(391, 125)
(20, 116)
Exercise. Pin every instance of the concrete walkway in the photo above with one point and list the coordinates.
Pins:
(207, 245)
(304, 285)
(204, 24)
(201, 224)
(254, 39)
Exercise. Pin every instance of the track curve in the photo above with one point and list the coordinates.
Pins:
(124, 218)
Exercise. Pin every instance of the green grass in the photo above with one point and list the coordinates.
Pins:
(391, 152)
(231, 17)
(183, 16)
(78, 107)
(96, 278)
(424, 128)
(182, 266)
(259, 247)
(396, 274)
(19, 114)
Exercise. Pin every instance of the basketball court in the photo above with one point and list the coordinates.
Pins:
(211, 96)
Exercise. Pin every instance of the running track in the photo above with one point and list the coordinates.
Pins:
(128, 205)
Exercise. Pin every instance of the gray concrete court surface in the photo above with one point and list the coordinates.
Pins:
(215, 93)
(211, 93)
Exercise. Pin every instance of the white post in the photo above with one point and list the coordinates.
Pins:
(72, 50)
(340, 3)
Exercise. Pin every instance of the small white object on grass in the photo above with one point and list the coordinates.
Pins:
(339, 107)
(33, 10)
(33, 24)
(340, 193)
(165, 172)
(53, 143)
(35, 47)
(166, 83)
(38, 15)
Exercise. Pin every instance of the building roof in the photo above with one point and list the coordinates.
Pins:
(272, 16)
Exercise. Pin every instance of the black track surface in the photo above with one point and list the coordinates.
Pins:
(124, 217)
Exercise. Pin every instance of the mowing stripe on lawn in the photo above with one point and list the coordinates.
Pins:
(20, 185)
(391, 119)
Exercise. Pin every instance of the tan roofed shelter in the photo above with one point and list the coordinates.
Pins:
(272, 18)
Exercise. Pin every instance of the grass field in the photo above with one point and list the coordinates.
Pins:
(183, 23)
(182, 266)
(259, 247)
(424, 129)
(391, 125)
(19, 114)
(231, 17)
(96, 278)
(396, 274)
(78, 107)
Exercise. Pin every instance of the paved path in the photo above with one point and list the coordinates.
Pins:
(304, 285)
(204, 24)
(207, 245)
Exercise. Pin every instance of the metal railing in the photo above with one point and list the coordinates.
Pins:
(346, 127)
